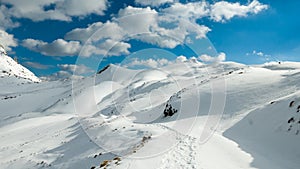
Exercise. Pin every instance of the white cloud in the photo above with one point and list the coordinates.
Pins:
(199, 30)
(37, 65)
(68, 71)
(130, 20)
(219, 11)
(258, 53)
(63, 10)
(136, 23)
(7, 40)
(193, 59)
(181, 58)
(206, 58)
(99, 31)
(105, 40)
(5, 20)
(166, 28)
(57, 76)
(78, 69)
(152, 63)
(114, 48)
(158, 40)
(183, 17)
(89, 50)
(137, 20)
(142, 24)
(154, 3)
(107, 48)
(58, 47)
(82, 34)
(148, 23)
(192, 10)
(82, 7)
(223, 10)
(157, 63)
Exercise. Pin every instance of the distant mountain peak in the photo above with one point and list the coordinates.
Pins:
(103, 69)
(9, 67)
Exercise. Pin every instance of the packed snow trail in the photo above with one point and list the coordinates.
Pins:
(182, 155)
(187, 151)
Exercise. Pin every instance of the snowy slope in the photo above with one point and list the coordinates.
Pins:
(159, 118)
(9, 68)
(271, 132)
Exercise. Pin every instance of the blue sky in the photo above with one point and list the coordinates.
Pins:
(48, 38)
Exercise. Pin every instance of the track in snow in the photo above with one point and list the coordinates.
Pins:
(183, 154)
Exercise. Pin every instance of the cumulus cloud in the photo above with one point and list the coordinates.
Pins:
(154, 3)
(136, 23)
(114, 48)
(151, 63)
(82, 34)
(57, 76)
(62, 47)
(192, 10)
(166, 27)
(78, 69)
(130, 20)
(157, 63)
(7, 40)
(5, 19)
(181, 58)
(158, 40)
(82, 7)
(210, 59)
(64, 10)
(89, 50)
(37, 65)
(68, 71)
(223, 10)
(219, 11)
(107, 48)
(106, 39)
(193, 59)
(136, 20)
(142, 24)
(99, 31)
(58, 47)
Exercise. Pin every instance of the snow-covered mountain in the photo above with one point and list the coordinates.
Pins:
(184, 115)
(9, 68)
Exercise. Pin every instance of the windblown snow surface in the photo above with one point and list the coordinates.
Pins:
(182, 116)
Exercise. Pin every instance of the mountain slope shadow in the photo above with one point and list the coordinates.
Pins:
(79, 152)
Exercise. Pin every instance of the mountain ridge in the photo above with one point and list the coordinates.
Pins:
(9, 68)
